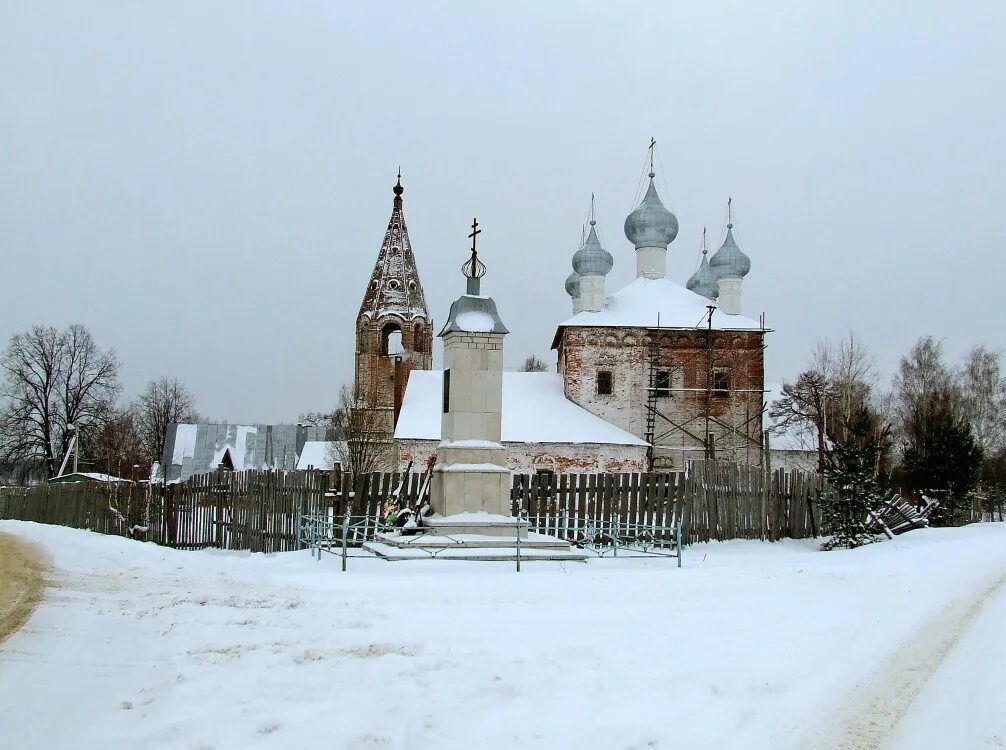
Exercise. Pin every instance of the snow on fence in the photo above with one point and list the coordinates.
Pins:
(260, 510)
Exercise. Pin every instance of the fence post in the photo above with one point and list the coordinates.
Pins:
(345, 537)
(518, 542)
(677, 536)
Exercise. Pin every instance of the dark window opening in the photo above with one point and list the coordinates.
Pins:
(227, 463)
(603, 383)
(391, 340)
(546, 477)
(447, 391)
(417, 339)
(721, 383)
(662, 384)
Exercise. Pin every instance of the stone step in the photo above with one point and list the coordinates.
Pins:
(436, 540)
(475, 554)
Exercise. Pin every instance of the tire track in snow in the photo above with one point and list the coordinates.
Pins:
(885, 698)
(21, 582)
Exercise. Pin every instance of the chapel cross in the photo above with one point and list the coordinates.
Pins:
(474, 235)
(653, 145)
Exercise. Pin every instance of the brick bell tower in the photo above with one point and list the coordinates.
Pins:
(394, 331)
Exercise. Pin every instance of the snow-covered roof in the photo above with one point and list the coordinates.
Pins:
(94, 476)
(790, 438)
(320, 454)
(535, 410)
(646, 303)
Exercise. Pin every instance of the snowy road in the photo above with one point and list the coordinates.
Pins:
(749, 645)
(876, 718)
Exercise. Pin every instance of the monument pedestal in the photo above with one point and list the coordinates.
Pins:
(471, 477)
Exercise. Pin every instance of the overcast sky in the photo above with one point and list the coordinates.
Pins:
(206, 185)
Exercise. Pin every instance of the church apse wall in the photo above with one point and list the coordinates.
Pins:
(529, 458)
(607, 372)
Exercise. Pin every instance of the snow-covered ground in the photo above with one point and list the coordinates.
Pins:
(897, 645)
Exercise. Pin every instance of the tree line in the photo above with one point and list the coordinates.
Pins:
(936, 433)
(59, 383)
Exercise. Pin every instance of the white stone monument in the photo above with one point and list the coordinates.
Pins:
(470, 475)
(470, 486)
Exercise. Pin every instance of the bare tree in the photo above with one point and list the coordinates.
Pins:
(367, 447)
(53, 379)
(803, 406)
(117, 447)
(829, 397)
(983, 398)
(164, 401)
(923, 389)
(852, 375)
(534, 364)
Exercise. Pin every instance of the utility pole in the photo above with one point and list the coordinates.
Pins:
(709, 379)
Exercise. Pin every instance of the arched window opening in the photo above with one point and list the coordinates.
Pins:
(391, 340)
(417, 338)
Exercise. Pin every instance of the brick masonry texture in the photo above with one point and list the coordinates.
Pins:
(527, 458)
(735, 418)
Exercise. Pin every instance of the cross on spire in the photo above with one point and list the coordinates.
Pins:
(398, 189)
(730, 220)
(474, 235)
(593, 220)
(474, 269)
(653, 145)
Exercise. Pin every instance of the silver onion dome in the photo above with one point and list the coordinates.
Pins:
(729, 260)
(592, 259)
(704, 281)
(651, 224)
(573, 285)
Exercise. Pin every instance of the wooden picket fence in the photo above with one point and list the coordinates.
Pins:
(260, 510)
(712, 500)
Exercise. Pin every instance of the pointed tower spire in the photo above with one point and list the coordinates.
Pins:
(394, 331)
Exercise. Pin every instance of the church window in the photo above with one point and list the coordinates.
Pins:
(395, 249)
(447, 391)
(393, 284)
(412, 286)
(662, 384)
(721, 383)
(603, 382)
(391, 340)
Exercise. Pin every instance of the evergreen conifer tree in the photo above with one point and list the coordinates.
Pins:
(854, 494)
(945, 464)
